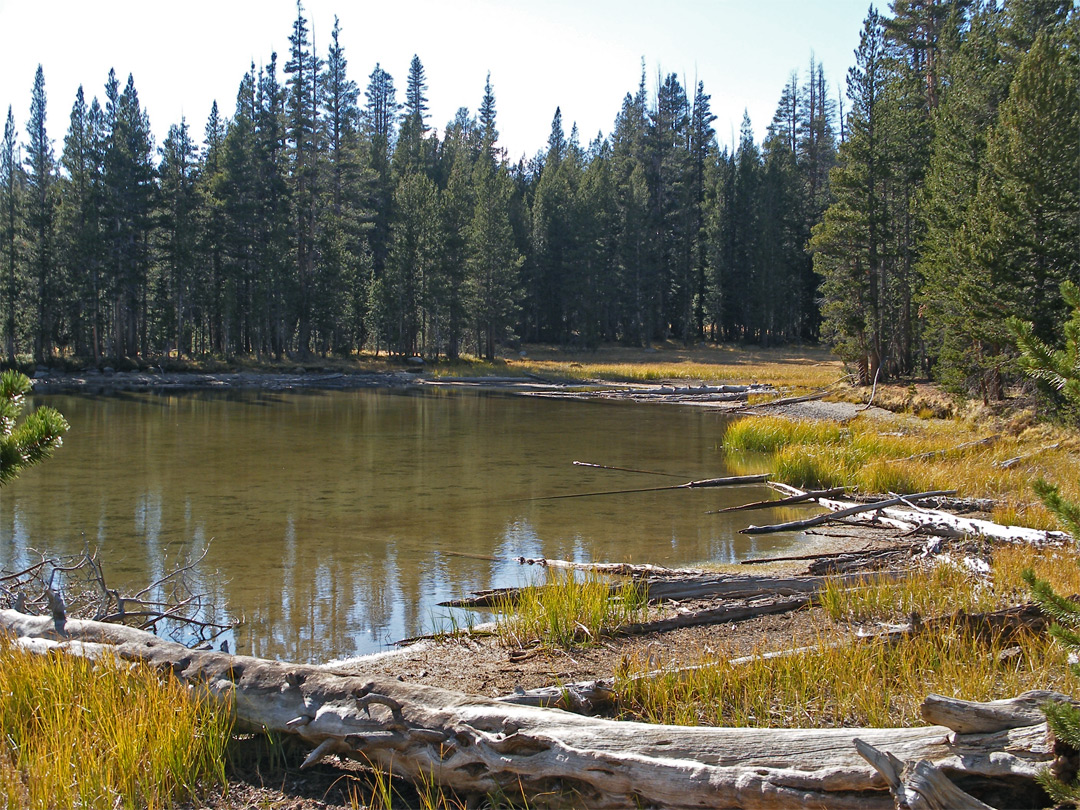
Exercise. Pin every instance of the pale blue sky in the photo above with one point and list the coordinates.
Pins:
(583, 56)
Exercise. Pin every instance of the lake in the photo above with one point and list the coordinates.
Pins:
(338, 520)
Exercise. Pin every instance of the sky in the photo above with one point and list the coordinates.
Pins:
(580, 55)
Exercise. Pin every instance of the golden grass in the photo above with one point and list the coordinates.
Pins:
(76, 733)
(862, 683)
(914, 456)
(790, 368)
(948, 585)
(567, 611)
(842, 681)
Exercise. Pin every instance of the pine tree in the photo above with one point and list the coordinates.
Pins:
(493, 258)
(11, 194)
(177, 234)
(975, 82)
(489, 135)
(1061, 368)
(273, 212)
(456, 209)
(127, 183)
(378, 116)
(412, 304)
(339, 312)
(416, 102)
(636, 257)
(81, 225)
(207, 298)
(41, 223)
(302, 109)
(24, 444)
(850, 243)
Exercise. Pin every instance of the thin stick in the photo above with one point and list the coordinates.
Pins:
(624, 469)
(806, 496)
(853, 510)
(707, 482)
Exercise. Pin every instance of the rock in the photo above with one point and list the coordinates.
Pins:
(415, 361)
(299, 370)
(108, 371)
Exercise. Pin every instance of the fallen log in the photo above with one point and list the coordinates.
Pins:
(936, 522)
(1009, 463)
(788, 400)
(944, 452)
(473, 745)
(967, 716)
(616, 569)
(730, 481)
(624, 469)
(674, 588)
(806, 496)
(718, 615)
(854, 509)
(917, 785)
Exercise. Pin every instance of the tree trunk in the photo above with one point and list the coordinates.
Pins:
(476, 745)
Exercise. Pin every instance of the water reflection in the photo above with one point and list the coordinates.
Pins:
(337, 517)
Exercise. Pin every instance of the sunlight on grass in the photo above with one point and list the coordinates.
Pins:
(566, 611)
(76, 733)
(915, 456)
(842, 684)
(948, 585)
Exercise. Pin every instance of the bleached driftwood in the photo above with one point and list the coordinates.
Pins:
(477, 745)
(937, 522)
(966, 716)
(835, 514)
(677, 588)
(918, 785)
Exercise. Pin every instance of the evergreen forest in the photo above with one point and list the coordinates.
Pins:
(902, 220)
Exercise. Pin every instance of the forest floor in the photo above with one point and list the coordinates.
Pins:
(487, 664)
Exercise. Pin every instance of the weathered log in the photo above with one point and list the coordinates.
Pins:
(1009, 463)
(675, 588)
(853, 509)
(719, 615)
(966, 716)
(624, 469)
(918, 785)
(944, 452)
(788, 400)
(475, 745)
(704, 483)
(616, 569)
(855, 561)
(806, 496)
(937, 522)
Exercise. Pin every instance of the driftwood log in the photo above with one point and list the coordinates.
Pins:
(476, 745)
(931, 521)
(669, 588)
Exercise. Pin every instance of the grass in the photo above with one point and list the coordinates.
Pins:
(76, 733)
(868, 683)
(568, 611)
(839, 681)
(803, 368)
(914, 456)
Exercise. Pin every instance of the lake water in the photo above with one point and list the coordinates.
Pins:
(339, 519)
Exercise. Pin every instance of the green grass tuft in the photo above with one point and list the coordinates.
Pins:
(568, 611)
